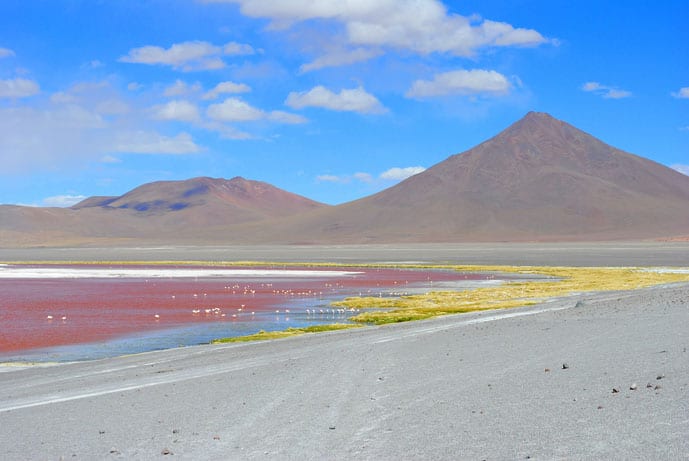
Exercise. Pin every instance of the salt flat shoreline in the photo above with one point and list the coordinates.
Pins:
(534, 382)
(593, 376)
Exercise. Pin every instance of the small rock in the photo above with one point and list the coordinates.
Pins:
(565, 366)
(660, 377)
(175, 431)
(332, 428)
(633, 387)
(166, 451)
(600, 407)
(615, 390)
(547, 370)
(216, 437)
(649, 386)
(657, 386)
(114, 451)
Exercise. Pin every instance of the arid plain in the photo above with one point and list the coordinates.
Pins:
(595, 374)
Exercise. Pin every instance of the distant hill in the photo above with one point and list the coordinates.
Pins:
(154, 212)
(539, 179)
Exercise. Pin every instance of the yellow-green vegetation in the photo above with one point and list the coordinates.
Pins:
(561, 281)
(263, 335)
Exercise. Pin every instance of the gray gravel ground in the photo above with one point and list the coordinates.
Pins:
(474, 386)
(558, 254)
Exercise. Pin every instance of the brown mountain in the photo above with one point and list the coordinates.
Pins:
(540, 179)
(159, 211)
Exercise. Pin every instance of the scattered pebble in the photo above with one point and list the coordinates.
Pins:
(114, 451)
(660, 376)
(649, 386)
(332, 428)
(547, 370)
(658, 386)
(600, 407)
(216, 437)
(615, 390)
(166, 451)
(175, 431)
(565, 366)
(633, 387)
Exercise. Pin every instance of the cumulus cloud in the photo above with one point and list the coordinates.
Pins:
(6, 53)
(684, 169)
(181, 88)
(340, 58)
(18, 88)
(466, 82)
(398, 174)
(225, 88)
(179, 110)
(63, 200)
(238, 49)
(236, 110)
(354, 100)
(393, 174)
(605, 91)
(363, 177)
(419, 26)
(187, 56)
(145, 142)
(331, 178)
(683, 93)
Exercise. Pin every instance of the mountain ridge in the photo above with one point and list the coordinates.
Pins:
(539, 179)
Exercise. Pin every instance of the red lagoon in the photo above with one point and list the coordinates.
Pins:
(41, 311)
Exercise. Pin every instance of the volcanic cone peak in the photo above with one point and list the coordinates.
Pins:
(539, 179)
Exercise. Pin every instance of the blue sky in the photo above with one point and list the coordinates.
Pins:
(333, 100)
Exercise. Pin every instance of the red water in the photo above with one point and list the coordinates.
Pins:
(39, 313)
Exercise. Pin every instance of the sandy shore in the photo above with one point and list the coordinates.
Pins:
(537, 382)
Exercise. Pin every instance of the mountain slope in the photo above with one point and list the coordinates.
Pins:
(540, 179)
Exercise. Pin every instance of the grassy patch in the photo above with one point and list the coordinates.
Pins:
(562, 281)
(264, 335)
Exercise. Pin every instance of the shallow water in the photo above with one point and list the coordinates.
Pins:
(82, 312)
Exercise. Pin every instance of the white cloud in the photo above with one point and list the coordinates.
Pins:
(63, 200)
(181, 88)
(363, 177)
(340, 58)
(186, 56)
(605, 91)
(134, 86)
(236, 110)
(354, 100)
(286, 117)
(6, 53)
(227, 87)
(398, 174)
(683, 93)
(419, 26)
(467, 82)
(331, 178)
(144, 142)
(18, 88)
(110, 159)
(238, 49)
(684, 169)
(180, 110)
(112, 107)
